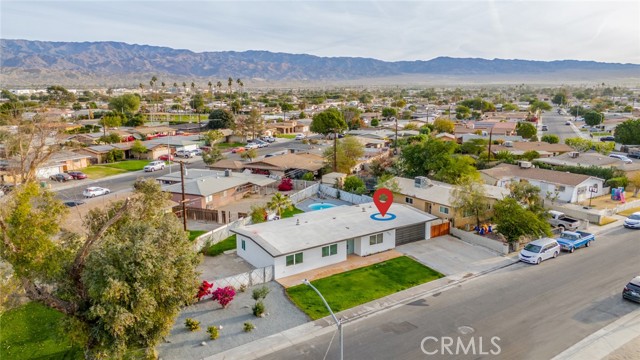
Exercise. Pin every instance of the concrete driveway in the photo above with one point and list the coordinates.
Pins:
(453, 257)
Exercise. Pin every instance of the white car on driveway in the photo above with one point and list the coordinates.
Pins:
(539, 250)
(95, 191)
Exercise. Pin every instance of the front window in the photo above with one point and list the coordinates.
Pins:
(375, 239)
(408, 200)
(243, 245)
(444, 210)
(533, 248)
(329, 250)
(294, 259)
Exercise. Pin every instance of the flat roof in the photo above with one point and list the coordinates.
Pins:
(328, 226)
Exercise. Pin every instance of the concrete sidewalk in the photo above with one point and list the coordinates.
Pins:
(310, 330)
(620, 338)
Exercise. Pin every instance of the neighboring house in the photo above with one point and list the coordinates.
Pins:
(63, 161)
(570, 187)
(150, 132)
(445, 136)
(320, 238)
(575, 158)
(287, 165)
(543, 148)
(190, 174)
(98, 153)
(290, 127)
(227, 164)
(211, 192)
(176, 143)
(463, 138)
(434, 197)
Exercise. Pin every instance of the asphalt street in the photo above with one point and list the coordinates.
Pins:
(556, 124)
(529, 311)
(125, 182)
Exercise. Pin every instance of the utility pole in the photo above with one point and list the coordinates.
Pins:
(489, 153)
(395, 146)
(335, 150)
(184, 202)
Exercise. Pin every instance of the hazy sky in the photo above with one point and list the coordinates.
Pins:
(387, 30)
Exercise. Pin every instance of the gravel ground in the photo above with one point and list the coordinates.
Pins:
(183, 344)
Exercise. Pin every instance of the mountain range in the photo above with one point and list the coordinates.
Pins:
(34, 61)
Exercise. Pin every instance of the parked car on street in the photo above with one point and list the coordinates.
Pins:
(545, 128)
(634, 153)
(624, 159)
(568, 122)
(78, 175)
(95, 191)
(633, 221)
(166, 157)
(571, 240)
(607, 138)
(154, 166)
(238, 149)
(62, 177)
(560, 220)
(261, 144)
(539, 250)
(184, 153)
(250, 146)
(268, 139)
(632, 290)
(299, 136)
(73, 203)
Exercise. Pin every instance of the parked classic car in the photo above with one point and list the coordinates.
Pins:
(78, 175)
(571, 240)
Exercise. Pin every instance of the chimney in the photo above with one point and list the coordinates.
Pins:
(227, 173)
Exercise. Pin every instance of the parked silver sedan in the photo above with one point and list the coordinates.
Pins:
(95, 191)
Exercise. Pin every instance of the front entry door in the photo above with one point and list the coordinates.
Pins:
(350, 246)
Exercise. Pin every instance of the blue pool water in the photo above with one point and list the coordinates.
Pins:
(321, 206)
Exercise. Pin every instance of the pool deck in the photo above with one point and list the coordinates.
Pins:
(304, 205)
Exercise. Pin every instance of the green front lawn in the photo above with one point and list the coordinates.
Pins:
(128, 165)
(33, 331)
(229, 145)
(193, 234)
(97, 171)
(352, 288)
(286, 136)
(224, 245)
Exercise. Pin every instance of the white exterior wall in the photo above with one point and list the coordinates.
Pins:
(586, 194)
(187, 147)
(312, 259)
(427, 233)
(45, 172)
(254, 254)
(565, 195)
(388, 242)
(570, 193)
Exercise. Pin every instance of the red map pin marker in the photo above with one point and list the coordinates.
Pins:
(383, 206)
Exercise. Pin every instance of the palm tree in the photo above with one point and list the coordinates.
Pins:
(219, 86)
(230, 83)
(153, 81)
(193, 91)
(210, 84)
(175, 86)
(240, 84)
(279, 203)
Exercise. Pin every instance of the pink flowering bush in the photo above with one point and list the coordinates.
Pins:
(224, 295)
(204, 290)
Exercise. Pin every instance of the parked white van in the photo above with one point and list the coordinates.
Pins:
(539, 250)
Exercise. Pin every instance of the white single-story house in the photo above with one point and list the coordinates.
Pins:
(324, 237)
(570, 187)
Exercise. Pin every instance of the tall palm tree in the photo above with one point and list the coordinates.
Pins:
(279, 203)
(239, 82)
(219, 86)
(175, 86)
(193, 91)
(210, 84)
(152, 83)
(230, 83)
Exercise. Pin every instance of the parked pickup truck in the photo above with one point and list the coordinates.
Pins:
(560, 220)
(571, 240)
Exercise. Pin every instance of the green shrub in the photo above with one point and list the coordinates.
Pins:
(260, 293)
(192, 325)
(618, 182)
(213, 332)
(242, 288)
(248, 327)
(375, 122)
(258, 309)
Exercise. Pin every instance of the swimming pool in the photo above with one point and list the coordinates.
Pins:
(321, 206)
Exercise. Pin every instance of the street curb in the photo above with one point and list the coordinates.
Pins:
(606, 340)
(310, 330)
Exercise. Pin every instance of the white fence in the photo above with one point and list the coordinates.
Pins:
(343, 195)
(472, 238)
(219, 234)
(304, 194)
(249, 278)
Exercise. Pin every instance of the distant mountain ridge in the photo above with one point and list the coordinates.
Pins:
(117, 59)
